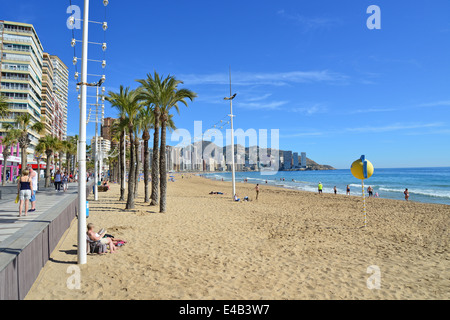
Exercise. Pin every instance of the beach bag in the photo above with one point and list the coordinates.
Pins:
(17, 199)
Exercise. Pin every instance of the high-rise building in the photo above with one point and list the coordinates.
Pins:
(21, 58)
(48, 100)
(287, 160)
(295, 160)
(106, 128)
(61, 93)
(303, 162)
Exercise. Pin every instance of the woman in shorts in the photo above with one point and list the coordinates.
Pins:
(25, 190)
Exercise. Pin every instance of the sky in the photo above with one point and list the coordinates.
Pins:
(313, 70)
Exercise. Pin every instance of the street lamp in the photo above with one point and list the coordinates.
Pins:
(231, 97)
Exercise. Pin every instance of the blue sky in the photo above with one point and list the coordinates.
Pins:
(312, 69)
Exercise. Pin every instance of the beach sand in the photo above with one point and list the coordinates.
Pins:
(285, 245)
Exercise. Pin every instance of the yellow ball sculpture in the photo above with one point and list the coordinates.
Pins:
(362, 168)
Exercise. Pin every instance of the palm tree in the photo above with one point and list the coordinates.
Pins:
(146, 122)
(171, 97)
(7, 141)
(116, 137)
(118, 100)
(137, 129)
(118, 134)
(4, 109)
(70, 147)
(128, 101)
(149, 94)
(39, 151)
(164, 95)
(49, 143)
(25, 124)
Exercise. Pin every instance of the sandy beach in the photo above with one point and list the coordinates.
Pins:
(285, 245)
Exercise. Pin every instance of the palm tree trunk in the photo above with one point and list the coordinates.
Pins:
(122, 167)
(38, 169)
(23, 151)
(162, 168)
(6, 154)
(146, 163)
(68, 156)
(155, 162)
(131, 173)
(136, 175)
(47, 171)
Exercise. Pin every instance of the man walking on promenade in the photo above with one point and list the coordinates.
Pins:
(34, 185)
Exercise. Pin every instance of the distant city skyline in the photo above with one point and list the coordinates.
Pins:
(333, 87)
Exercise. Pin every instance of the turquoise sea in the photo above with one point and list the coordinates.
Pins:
(429, 185)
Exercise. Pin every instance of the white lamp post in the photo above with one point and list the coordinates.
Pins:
(233, 180)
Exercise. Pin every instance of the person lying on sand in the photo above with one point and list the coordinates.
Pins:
(216, 192)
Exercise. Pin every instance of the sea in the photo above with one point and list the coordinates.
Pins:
(428, 185)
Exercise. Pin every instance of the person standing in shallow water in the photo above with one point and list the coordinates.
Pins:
(320, 187)
(257, 191)
(406, 192)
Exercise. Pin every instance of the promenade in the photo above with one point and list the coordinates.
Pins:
(47, 199)
(26, 242)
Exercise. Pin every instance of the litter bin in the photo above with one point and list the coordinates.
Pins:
(87, 209)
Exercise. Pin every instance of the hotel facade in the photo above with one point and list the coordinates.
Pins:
(32, 82)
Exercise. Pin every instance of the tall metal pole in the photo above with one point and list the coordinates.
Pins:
(96, 152)
(82, 145)
(233, 180)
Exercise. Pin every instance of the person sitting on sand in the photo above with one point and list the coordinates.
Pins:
(95, 237)
(236, 198)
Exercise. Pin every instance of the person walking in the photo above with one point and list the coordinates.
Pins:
(34, 186)
(65, 182)
(257, 191)
(57, 181)
(320, 187)
(348, 190)
(406, 193)
(24, 190)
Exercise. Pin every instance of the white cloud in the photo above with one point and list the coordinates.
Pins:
(394, 127)
(316, 108)
(275, 78)
(272, 105)
(309, 23)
